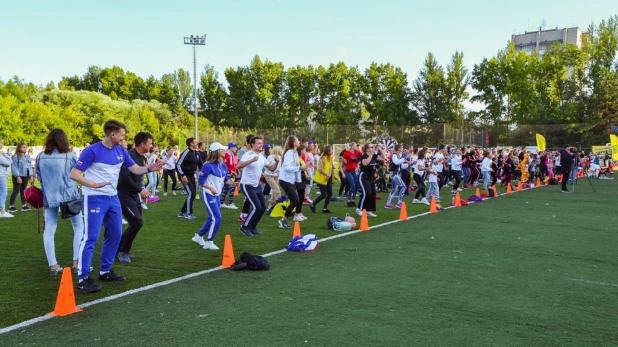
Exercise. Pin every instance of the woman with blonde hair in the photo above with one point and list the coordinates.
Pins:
(324, 178)
(5, 171)
(290, 179)
(272, 177)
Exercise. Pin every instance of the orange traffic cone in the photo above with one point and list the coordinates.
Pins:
(65, 303)
(509, 189)
(457, 200)
(538, 182)
(495, 192)
(228, 252)
(547, 182)
(478, 192)
(519, 187)
(403, 213)
(296, 230)
(364, 224)
(433, 208)
(236, 193)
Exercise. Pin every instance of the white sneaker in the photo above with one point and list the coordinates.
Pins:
(199, 240)
(210, 245)
(416, 201)
(303, 216)
(124, 222)
(371, 214)
(224, 206)
(165, 194)
(359, 212)
(298, 218)
(144, 207)
(232, 206)
(173, 192)
(6, 215)
(425, 201)
(459, 190)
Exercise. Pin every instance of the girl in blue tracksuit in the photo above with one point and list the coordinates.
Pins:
(212, 178)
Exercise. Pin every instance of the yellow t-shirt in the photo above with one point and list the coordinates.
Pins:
(319, 178)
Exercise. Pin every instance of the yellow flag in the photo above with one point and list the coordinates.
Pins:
(614, 141)
(540, 142)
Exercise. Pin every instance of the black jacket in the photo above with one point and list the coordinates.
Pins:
(566, 159)
(128, 182)
(188, 163)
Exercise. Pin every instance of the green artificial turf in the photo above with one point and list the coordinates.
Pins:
(536, 268)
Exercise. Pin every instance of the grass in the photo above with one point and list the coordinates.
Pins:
(534, 268)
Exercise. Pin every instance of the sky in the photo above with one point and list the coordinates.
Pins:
(42, 41)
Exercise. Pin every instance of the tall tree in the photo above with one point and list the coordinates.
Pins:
(212, 95)
(429, 95)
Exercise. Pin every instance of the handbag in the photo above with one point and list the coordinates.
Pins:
(70, 208)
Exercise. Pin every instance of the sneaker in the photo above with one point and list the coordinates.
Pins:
(55, 272)
(165, 194)
(144, 207)
(199, 239)
(124, 222)
(425, 201)
(359, 212)
(25, 208)
(298, 218)
(6, 215)
(307, 201)
(12, 209)
(326, 210)
(123, 258)
(453, 192)
(246, 231)
(283, 224)
(389, 207)
(88, 286)
(111, 277)
(173, 192)
(398, 205)
(232, 206)
(224, 206)
(312, 208)
(566, 191)
(181, 215)
(190, 216)
(303, 216)
(242, 218)
(416, 201)
(459, 190)
(371, 214)
(210, 245)
(256, 232)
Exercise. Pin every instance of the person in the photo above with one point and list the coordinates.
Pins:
(308, 158)
(169, 170)
(419, 170)
(324, 178)
(187, 166)
(290, 179)
(440, 158)
(301, 189)
(5, 170)
(398, 187)
(53, 168)
(343, 186)
(272, 177)
(212, 178)
(231, 161)
(97, 170)
(21, 170)
(241, 152)
(566, 161)
(153, 179)
(486, 169)
(368, 164)
(434, 178)
(351, 158)
(201, 151)
(252, 164)
(456, 162)
(133, 194)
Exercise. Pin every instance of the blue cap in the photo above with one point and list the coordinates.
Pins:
(231, 145)
(266, 145)
(309, 142)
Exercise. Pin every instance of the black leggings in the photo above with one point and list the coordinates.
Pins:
(343, 187)
(368, 188)
(19, 188)
(326, 193)
(292, 193)
(421, 186)
(457, 175)
(172, 175)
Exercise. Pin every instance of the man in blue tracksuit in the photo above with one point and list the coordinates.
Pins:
(97, 170)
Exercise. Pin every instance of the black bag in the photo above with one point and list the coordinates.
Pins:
(73, 207)
(250, 262)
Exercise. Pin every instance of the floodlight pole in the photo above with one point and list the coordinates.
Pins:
(195, 40)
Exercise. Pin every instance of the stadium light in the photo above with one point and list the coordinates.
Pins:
(195, 40)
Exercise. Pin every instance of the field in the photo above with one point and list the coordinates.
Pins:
(535, 268)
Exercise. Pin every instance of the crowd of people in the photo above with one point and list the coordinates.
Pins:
(119, 179)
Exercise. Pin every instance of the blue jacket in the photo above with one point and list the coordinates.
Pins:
(5, 164)
(53, 171)
(22, 165)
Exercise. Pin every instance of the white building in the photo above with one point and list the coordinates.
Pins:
(542, 40)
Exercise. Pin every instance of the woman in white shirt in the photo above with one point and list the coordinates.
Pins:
(152, 176)
(398, 186)
(290, 179)
(486, 168)
(456, 162)
(272, 177)
(419, 170)
(169, 170)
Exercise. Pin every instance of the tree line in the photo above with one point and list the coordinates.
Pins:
(570, 85)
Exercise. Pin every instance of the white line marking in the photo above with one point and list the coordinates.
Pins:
(199, 273)
(593, 282)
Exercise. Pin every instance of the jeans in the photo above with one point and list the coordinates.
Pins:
(351, 179)
(486, 176)
(4, 186)
(51, 224)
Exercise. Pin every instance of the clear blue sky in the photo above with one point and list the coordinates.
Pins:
(41, 41)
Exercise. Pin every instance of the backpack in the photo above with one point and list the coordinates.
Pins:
(278, 210)
(305, 243)
(338, 224)
(247, 261)
(350, 220)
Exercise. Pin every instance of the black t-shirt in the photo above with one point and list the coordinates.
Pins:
(203, 155)
(369, 170)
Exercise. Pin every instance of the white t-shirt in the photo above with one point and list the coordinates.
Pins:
(170, 163)
(419, 164)
(251, 173)
(437, 158)
(456, 163)
(434, 178)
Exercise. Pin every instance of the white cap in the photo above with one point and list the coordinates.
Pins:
(217, 146)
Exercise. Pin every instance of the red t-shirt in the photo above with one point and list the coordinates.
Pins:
(231, 161)
(351, 159)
